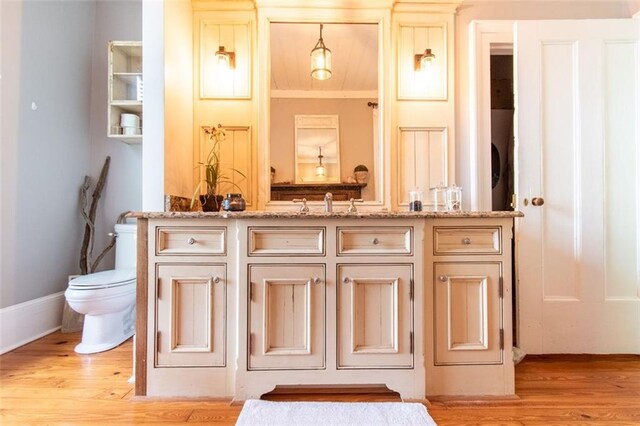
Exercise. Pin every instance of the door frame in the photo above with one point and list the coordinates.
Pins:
(484, 37)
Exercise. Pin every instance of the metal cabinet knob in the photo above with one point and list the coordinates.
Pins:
(537, 201)
(466, 241)
(316, 280)
(443, 278)
(216, 280)
(191, 241)
(346, 280)
(375, 241)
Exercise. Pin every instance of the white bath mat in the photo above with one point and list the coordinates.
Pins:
(257, 412)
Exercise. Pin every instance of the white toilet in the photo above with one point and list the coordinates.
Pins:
(108, 298)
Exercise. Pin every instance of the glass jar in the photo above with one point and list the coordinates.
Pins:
(439, 198)
(454, 198)
(415, 200)
(233, 203)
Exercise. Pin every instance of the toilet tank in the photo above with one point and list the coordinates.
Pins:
(126, 245)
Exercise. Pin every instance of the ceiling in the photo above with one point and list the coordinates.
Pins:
(354, 57)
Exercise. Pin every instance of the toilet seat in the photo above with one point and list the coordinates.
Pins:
(105, 279)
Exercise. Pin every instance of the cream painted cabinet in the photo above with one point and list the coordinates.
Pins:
(375, 316)
(286, 316)
(468, 323)
(191, 315)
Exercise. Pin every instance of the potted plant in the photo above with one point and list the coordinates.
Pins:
(213, 173)
(361, 173)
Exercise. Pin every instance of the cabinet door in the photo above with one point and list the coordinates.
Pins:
(375, 316)
(468, 323)
(286, 317)
(191, 316)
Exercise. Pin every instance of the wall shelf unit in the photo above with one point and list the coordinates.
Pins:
(125, 91)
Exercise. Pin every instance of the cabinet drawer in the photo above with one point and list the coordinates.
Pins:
(288, 241)
(466, 240)
(191, 241)
(375, 241)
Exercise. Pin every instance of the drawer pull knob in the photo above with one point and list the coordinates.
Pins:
(191, 241)
(316, 280)
(466, 241)
(375, 241)
(216, 280)
(346, 280)
(443, 278)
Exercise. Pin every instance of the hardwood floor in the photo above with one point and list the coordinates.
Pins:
(45, 382)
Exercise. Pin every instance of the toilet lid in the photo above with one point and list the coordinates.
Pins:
(104, 279)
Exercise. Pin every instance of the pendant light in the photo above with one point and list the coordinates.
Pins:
(320, 60)
(321, 170)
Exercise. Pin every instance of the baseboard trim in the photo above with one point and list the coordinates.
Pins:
(31, 320)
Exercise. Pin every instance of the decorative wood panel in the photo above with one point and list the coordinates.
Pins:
(416, 84)
(217, 82)
(286, 309)
(466, 240)
(375, 241)
(621, 181)
(422, 161)
(375, 316)
(191, 241)
(467, 313)
(191, 315)
(235, 160)
(271, 241)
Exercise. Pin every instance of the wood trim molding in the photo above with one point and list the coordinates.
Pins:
(142, 308)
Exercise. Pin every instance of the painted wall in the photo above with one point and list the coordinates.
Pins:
(356, 134)
(54, 57)
(120, 21)
(511, 10)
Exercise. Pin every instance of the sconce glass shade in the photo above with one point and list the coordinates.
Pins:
(225, 59)
(426, 60)
(320, 60)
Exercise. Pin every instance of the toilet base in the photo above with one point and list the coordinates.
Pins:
(103, 332)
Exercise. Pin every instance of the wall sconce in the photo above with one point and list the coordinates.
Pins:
(321, 170)
(226, 59)
(321, 60)
(424, 61)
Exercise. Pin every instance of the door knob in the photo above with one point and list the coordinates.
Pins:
(537, 201)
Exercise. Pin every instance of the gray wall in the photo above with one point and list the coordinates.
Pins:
(51, 54)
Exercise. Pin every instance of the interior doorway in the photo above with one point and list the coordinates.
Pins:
(502, 134)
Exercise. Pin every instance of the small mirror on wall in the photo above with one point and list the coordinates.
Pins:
(317, 149)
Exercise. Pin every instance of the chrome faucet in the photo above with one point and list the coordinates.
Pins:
(328, 202)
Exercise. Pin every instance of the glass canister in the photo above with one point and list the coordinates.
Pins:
(233, 203)
(454, 198)
(439, 198)
(415, 200)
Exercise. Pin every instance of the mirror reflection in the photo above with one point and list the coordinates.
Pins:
(322, 131)
(317, 149)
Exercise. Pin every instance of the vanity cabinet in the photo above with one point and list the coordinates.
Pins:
(237, 304)
(470, 268)
(375, 316)
(328, 303)
(286, 316)
(191, 315)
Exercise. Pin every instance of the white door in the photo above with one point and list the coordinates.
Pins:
(578, 130)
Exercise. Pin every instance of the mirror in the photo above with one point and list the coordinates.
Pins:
(336, 118)
(317, 148)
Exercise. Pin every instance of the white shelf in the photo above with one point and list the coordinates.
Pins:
(125, 87)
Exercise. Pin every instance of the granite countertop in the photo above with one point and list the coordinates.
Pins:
(322, 215)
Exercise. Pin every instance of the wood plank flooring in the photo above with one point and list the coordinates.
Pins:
(46, 383)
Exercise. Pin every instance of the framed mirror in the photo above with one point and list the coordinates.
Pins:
(317, 148)
(348, 129)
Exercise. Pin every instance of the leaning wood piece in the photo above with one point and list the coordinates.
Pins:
(112, 243)
(87, 244)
